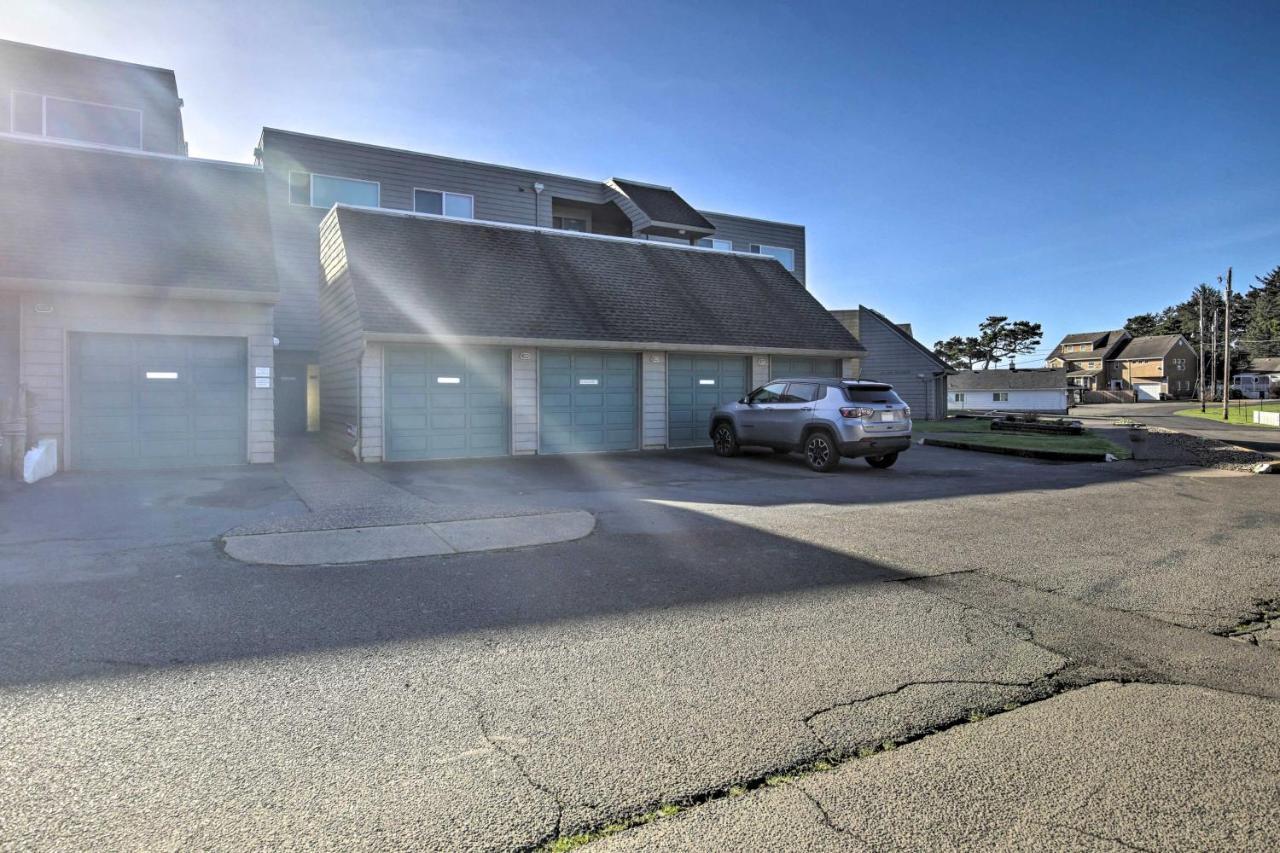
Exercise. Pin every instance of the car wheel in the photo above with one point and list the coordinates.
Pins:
(820, 452)
(885, 461)
(725, 440)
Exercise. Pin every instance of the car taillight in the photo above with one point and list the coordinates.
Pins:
(856, 412)
(906, 412)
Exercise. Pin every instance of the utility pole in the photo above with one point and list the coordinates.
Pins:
(1200, 347)
(1226, 353)
(1213, 349)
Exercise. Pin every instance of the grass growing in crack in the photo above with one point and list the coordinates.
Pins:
(566, 843)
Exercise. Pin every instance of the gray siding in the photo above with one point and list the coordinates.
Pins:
(8, 346)
(42, 71)
(524, 401)
(502, 194)
(372, 403)
(744, 231)
(653, 400)
(890, 358)
(341, 346)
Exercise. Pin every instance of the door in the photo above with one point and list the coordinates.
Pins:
(696, 385)
(588, 401)
(151, 401)
(446, 404)
(759, 420)
(291, 398)
(798, 366)
(1147, 390)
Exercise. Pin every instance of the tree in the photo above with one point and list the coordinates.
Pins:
(1142, 325)
(1261, 315)
(997, 340)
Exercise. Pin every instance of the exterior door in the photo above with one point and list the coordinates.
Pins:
(446, 404)
(696, 385)
(151, 401)
(760, 423)
(588, 401)
(291, 398)
(798, 366)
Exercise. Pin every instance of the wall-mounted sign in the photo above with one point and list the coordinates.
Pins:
(261, 382)
(588, 381)
(262, 371)
(161, 374)
(525, 355)
(706, 382)
(763, 362)
(655, 358)
(448, 380)
(43, 308)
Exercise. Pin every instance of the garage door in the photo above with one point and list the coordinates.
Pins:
(696, 384)
(588, 401)
(1147, 391)
(788, 366)
(145, 401)
(446, 404)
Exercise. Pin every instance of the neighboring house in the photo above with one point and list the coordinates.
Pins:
(445, 337)
(1084, 355)
(1154, 367)
(306, 175)
(1260, 379)
(894, 356)
(143, 286)
(170, 311)
(1010, 390)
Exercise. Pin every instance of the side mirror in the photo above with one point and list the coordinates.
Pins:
(745, 401)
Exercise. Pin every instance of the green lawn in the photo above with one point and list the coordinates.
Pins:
(1240, 414)
(973, 431)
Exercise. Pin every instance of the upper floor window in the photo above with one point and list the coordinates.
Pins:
(444, 204)
(716, 243)
(569, 223)
(326, 190)
(787, 257)
(79, 121)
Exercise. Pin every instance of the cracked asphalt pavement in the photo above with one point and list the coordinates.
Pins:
(728, 620)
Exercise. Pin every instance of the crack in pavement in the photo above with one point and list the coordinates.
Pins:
(1097, 836)
(825, 819)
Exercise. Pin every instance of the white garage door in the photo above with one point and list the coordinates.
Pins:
(1147, 390)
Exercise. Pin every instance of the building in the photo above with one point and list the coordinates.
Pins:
(1260, 379)
(894, 356)
(1012, 390)
(306, 175)
(445, 337)
(1085, 355)
(163, 310)
(1154, 367)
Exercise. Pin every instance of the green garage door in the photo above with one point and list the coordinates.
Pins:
(446, 404)
(789, 366)
(696, 384)
(145, 401)
(588, 401)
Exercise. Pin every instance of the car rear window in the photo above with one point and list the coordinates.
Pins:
(872, 394)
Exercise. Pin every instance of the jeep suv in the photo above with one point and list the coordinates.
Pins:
(823, 418)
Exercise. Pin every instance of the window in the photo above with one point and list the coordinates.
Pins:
(444, 204)
(769, 393)
(569, 223)
(81, 121)
(787, 257)
(326, 190)
(801, 392)
(957, 397)
(716, 243)
(999, 396)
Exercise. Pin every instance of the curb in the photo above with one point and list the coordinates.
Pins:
(1027, 453)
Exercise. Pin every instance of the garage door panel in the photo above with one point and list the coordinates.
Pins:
(446, 403)
(193, 415)
(589, 401)
(789, 366)
(696, 385)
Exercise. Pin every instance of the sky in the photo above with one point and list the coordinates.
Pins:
(1068, 163)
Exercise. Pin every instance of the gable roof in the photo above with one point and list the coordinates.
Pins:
(1263, 365)
(901, 330)
(662, 205)
(1102, 343)
(1152, 346)
(71, 214)
(433, 277)
(1003, 379)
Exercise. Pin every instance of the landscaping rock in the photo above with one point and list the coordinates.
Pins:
(1172, 446)
(1266, 468)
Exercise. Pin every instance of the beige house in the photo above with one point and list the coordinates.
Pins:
(1149, 368)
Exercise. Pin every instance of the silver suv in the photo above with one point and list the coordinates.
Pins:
(823, 418)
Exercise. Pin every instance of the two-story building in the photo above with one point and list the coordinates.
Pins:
(452, 308)
(1084, 355)
(1148, 368)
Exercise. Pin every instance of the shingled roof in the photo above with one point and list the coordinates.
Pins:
(434, 277)
(1152, 346)
(72, 214)
(1102, 343)
(1035, 379)
(662, 205)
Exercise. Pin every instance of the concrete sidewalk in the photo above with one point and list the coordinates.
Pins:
(356, 518)
(1107, 767)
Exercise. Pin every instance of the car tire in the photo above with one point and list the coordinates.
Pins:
(820, 452)
(725, 440)
(885, 461)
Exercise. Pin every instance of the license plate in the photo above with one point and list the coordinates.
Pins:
(888, 416)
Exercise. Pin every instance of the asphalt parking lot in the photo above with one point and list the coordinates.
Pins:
(724, 620)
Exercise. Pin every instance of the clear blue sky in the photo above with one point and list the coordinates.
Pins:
(1072, 163)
